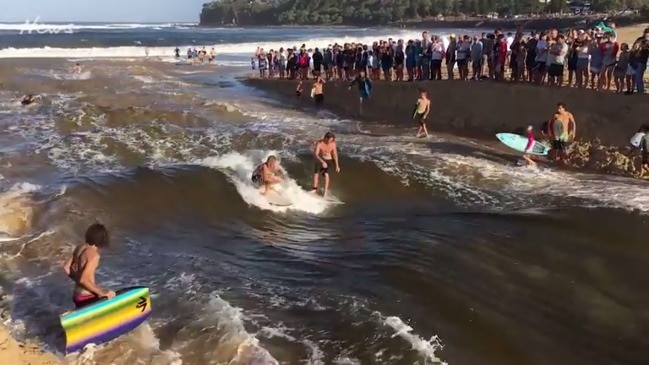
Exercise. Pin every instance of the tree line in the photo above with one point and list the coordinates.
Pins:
(377, 12)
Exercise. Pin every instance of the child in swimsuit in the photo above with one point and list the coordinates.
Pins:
(530, 143)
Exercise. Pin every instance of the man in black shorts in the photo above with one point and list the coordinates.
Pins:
(325, 153)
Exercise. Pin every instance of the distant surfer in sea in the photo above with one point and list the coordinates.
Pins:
(82, 265)
(421, 113)
(326, 155)
(77, 69)
(563, 128)
(268, 174)
(364, 89)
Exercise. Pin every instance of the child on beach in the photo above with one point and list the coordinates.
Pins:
(621, 67)
(530, 142)
(299, 89)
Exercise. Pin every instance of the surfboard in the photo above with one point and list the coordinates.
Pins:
(107, 319)
(518, 143)
(637, 139)
(277, 199)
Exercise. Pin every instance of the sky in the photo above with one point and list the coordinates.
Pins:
(130, 11)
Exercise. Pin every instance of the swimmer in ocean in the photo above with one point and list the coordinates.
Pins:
(77, 69)
(268, 174)
(326, 154)
(82, 265)
(28, 99)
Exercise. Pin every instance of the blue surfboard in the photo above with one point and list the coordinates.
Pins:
(518, 143)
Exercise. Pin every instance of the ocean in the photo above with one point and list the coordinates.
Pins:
(438, 255)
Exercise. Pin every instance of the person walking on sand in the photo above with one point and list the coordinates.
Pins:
(325, 154)
(563, 129)
(364, 89)
(421, 112)
(82, 265)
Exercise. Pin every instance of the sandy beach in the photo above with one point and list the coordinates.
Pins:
(13, 352)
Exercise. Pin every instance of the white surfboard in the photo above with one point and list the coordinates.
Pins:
(277, 199)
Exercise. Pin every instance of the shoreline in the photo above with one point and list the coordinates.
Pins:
(479, 110)
(16, 352)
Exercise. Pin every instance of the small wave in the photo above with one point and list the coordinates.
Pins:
(246, 48)
(34, 25)
(16, 208)
(239, 168)
(425, 348)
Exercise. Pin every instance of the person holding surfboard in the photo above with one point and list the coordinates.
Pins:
(82, 265)
(326, 154)
(268, 174)
(563, 129)
(528, 148)
(422, 108)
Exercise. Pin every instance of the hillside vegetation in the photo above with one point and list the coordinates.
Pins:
(375, 12)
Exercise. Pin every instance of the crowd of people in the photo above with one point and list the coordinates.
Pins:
(577, 58)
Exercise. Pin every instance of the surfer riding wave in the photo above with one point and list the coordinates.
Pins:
(268, 174)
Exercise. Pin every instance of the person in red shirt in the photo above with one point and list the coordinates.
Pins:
(530, 142)
(500, 54)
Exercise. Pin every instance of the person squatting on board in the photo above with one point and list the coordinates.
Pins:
(82, 265)
(268, 174)
(325, 154)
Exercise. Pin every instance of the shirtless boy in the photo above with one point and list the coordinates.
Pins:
(77, 69)
(421, 112)
(325, 153)
(267, 174)
(82, 265)
(563, 129)
(318, 92)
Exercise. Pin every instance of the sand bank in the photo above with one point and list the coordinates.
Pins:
(605, 121)
(13, 352)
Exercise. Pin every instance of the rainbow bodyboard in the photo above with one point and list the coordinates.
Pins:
(106, 320)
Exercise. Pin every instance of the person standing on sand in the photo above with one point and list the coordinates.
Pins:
(563, 129)
(641, 56)
(364, 89)
(421, 113)
(82, 265)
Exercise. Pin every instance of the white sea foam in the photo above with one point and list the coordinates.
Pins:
(38, 25)
(426, 348)
(245, 48)
(239, 167)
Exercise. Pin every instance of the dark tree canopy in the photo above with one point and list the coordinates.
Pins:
(375, 12)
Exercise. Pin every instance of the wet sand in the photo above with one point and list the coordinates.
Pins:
(13, 352)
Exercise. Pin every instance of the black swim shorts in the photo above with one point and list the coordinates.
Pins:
(318, 169)
(257, 179)
(319, 98)
(419, 117)
(558, 145)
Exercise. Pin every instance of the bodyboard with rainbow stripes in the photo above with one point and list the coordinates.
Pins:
(107, 319)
